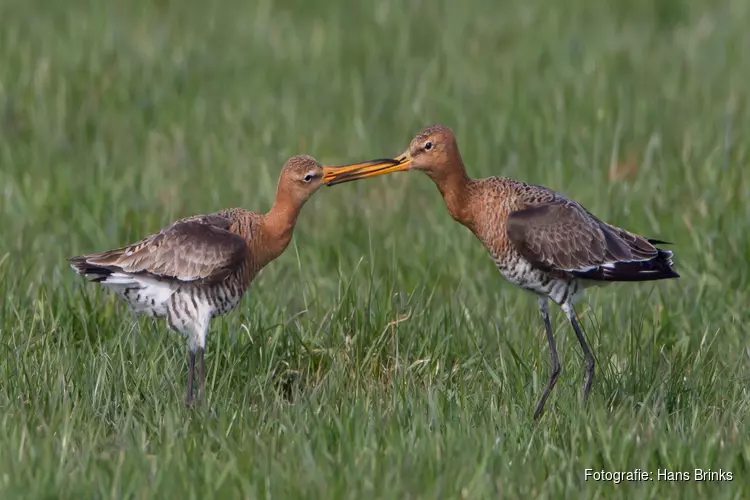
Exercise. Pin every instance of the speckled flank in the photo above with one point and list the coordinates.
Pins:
(190, 309)
(519, 271)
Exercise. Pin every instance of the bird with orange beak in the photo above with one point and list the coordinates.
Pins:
(199, 267)
(539, 239)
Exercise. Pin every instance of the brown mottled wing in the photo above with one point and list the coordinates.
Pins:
(191, 249)
(562, 235)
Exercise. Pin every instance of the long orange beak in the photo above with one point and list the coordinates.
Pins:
(372, 168)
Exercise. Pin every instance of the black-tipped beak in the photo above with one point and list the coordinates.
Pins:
(372, 168)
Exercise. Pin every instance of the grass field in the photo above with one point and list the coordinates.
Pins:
(382, 356)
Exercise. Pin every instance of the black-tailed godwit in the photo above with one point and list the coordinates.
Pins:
(539, 239)
(199, 267)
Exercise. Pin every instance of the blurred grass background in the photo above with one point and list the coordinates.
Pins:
(382, 356)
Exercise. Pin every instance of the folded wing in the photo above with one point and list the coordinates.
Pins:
(561, 235)
(193, 249)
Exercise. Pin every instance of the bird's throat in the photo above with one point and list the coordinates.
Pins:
(278, 225)
(455, 188)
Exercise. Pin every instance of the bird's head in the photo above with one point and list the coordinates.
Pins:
(302, 175)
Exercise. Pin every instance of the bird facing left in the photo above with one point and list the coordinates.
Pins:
(199, 267)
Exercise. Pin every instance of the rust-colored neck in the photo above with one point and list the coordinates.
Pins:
(278, 223)
(453, 183)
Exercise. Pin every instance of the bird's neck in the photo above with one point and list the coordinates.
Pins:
(454, 185)
(278, 224)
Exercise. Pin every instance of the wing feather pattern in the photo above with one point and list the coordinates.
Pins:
(193, 249)
(561, 235)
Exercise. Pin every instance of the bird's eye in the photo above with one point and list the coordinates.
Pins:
(428, 145)
(307, 177)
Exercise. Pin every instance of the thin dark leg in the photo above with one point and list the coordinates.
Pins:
(553, 355)
(587, 356)
(191, 371)
(201, 374)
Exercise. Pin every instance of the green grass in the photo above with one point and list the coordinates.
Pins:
(382, 356)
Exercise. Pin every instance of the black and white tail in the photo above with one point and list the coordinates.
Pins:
(659, 267)
(93, 272)
(144, 294)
